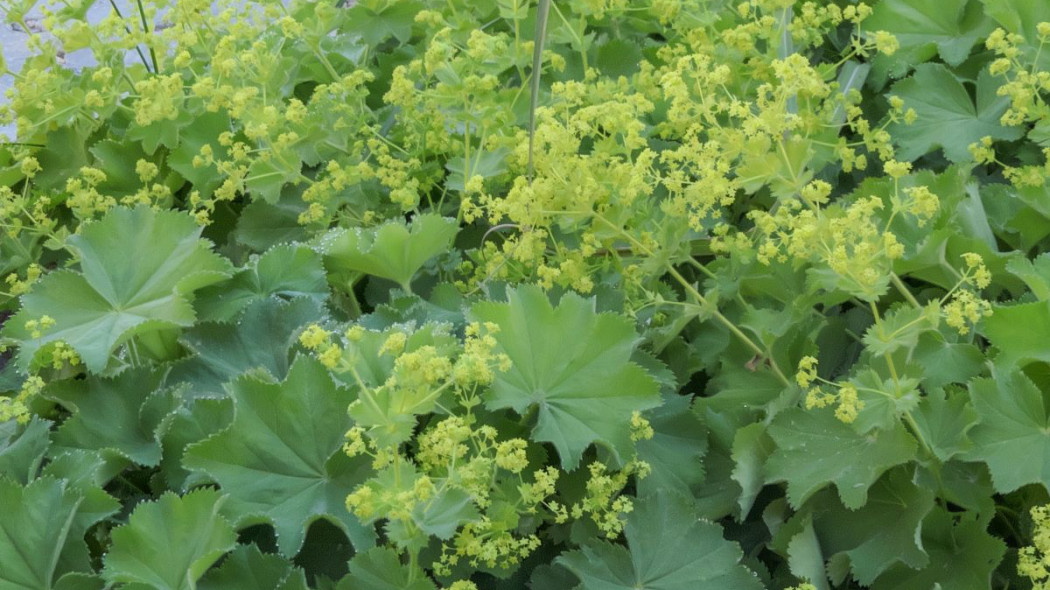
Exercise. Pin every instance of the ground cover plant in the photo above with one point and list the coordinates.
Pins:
(479, 294)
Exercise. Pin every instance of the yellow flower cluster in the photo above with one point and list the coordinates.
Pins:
(1033, 561)
(844, 394)
(319, 340)
(962, 306)
(603, 501)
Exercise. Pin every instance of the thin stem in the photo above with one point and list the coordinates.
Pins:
(127, 29)
(542, 11)
(904, 290)
(145, 29)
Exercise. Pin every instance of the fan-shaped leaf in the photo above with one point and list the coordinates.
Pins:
(574, 365)
(116, 295)
(394, 250)
(170, 543)
(282, 457)
(668, 548)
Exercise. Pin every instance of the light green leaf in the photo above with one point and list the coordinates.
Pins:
(377, 21)
(962, 555)
(815, 449)
(1012, 435)
(261, 339)
(117, 295)
(439, 517)
(1034, 273)
(381, 569)
(751, 449)
(668, 548)
(443, 514)
(247, 568)
(287, 272)
(1018, 332)
(486, 165)
(393, 251)
(947, 117)
(80, 581)
(925, 28)
(204, 130)
(1022, 17)
(266, 177)
(805, 558)
(900, 328)
(169, 544)
(125, 414)
(36, 526)
(22, 448)
(282, 457)
(573, 364)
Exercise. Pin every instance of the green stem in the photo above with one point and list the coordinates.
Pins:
(145, 28)
(542, 12)
(904, 290)
(127, 29)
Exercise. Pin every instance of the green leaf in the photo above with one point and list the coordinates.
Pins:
(286, 271)
(22, 448)
(488, 164)
(85, 472)
(282, 457)
(943, 420)
(668, 548)
(900, 328)
(261, 225)
(116, 296)
(205, 130)
(1034, 273)
(438, 517)
(962, 555)
(1017, 331)
(125, 414)
(572, 364)
(925, 28)
(266, 177)
(446, 512)
(805, 558)
(815, 449)
(751, 449)
(947, 117)
(618, 57)
(79, 581)
(169, 544)
(394, 250)
(380, 568)
(943, 362)
(375, 24)
(863, 535)
(36, 527)
(247, 568)
(678, 439)
(194, 422)
(262, 338)
(1012, 435)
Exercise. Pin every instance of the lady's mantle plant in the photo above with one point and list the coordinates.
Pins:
(302, 295)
